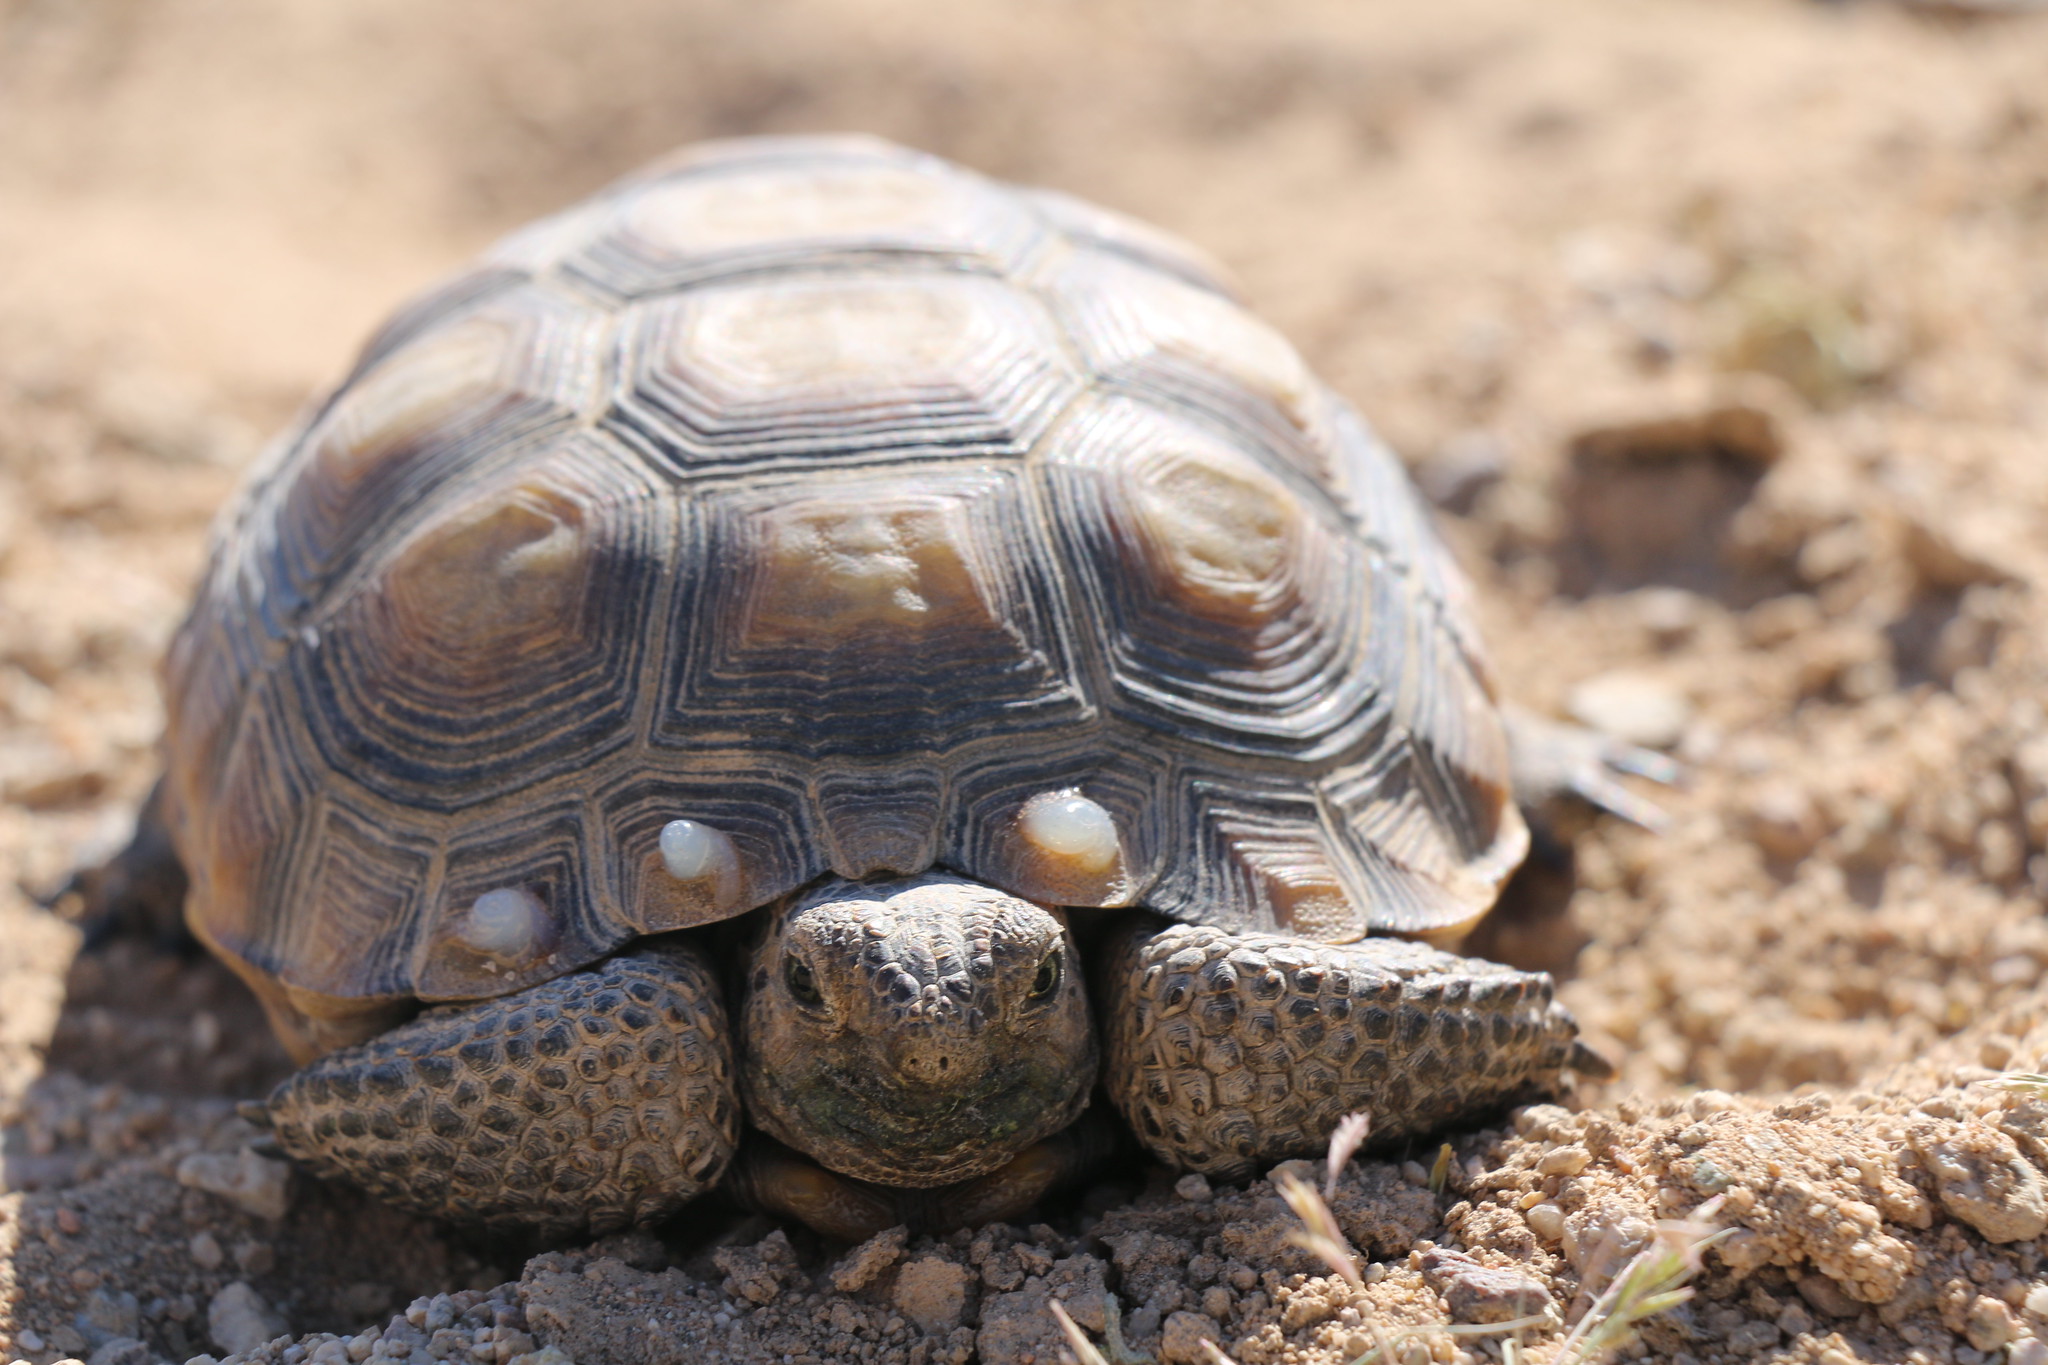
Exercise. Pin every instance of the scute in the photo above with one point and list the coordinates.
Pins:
(865, 366)
(1229, 605)
(700, 226)
(498, 641)
(871, 618)
(858, 511)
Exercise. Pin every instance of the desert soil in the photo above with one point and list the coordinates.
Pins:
(1717, 328)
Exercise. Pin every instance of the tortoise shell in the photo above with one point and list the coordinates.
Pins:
(847, 507)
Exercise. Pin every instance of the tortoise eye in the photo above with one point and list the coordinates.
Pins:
(1048, 979)
(797, 976)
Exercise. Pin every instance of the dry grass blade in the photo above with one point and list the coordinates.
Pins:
(1653, 1282)
(1345, 1141)
(1440, 1172)
(1215, 1353)
(1077, 1340)
(2031, 1083)
(1319, 1233)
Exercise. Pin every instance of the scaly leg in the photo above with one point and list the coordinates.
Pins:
(584, 1104)
(1229, 1052)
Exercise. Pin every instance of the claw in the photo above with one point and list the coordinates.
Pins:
(1552, 757)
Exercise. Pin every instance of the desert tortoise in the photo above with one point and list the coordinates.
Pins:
(923, 569)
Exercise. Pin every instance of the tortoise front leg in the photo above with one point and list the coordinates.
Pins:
(584, 1104)
(1229, 1052)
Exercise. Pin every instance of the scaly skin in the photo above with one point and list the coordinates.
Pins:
(909, 1039)
(1226, 1053)
(594, 1101)
(923, 1055)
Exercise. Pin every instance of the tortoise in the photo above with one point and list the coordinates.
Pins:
(815, 641)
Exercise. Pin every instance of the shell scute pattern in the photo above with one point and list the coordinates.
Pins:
(846, 503)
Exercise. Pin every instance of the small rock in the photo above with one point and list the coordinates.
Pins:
(1464, 468)
(1951, 558)
(1795, 1320)
(1826, 1297)
(1143, 1322)
(1783, 820)
(1633, 707)
(546, 1355)
(1990, 1323)
(932, 1292)
(28, 1339)
(1194, 1187)
(255, 1184)
(1568, 1160)
(1480, 1293)
(1753, 1336)
(239, 1320)
(108, 1315)
(1546, 1220)
(1984, 1181)
(2037, 1304)
(1668, 614)
(758, 1273)
(122, 1351)
(1180, 1341)
(859, 1267)
(2031, 1351)
(205, 1251)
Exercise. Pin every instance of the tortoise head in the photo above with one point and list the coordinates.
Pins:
(915, 1032)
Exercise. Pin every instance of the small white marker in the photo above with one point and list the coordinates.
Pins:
(1068, 825)
(505, 924)
(691, 851)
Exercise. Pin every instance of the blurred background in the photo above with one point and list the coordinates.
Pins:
(1717, 330)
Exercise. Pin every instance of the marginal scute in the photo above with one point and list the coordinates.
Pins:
(539, 849)
(354, 904)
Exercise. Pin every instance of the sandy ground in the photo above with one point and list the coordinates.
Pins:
(1719, 331)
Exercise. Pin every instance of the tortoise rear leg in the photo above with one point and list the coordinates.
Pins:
(1229, 1052)
(140, 890)
(588, 1103)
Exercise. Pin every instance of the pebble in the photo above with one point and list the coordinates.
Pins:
(239, 1320)
(255, 1184)
(1194, 1187)
(122, 1351)
(1984, 1182)
(1632, 707)
(1546, 1220)
(1180, 1341)
(205, 1251)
